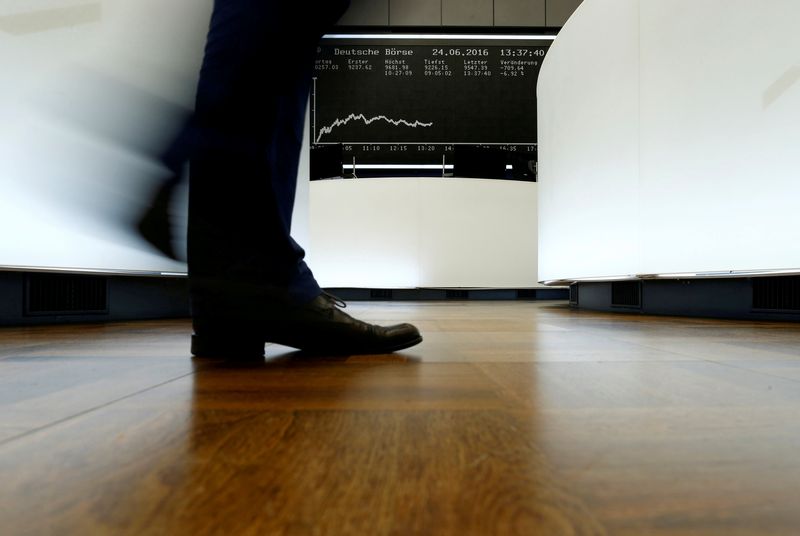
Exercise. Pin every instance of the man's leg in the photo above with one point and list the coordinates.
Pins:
(251, 99)
(248, 280)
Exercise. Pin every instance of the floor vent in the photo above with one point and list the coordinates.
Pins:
(776, 293)
(62, 294)
(573, 294)
(381, 294)
(457, 294)
(626, 294)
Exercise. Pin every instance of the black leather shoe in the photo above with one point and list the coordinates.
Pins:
(318, 327)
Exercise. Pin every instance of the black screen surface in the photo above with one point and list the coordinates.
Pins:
(326, 161)
(411, 102)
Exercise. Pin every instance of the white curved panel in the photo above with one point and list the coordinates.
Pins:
(364, 233)
(423, 232)
(700, 172)
(85, 84)
(720, 125)
(588, 103)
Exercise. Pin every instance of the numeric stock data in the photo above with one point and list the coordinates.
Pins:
(401, 102)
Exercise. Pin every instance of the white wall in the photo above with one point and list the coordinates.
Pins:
(720, 127)
(588, 101)
(668, 141)
(423, 232)
(69, 189)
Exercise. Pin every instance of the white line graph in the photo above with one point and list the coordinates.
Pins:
(361, 117)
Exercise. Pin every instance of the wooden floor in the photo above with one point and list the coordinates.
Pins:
(510, 418)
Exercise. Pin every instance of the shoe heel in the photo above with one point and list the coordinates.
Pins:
(230, 347)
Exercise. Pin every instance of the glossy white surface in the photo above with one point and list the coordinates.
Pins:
(423, 232)
(70, 176)
(668, 132)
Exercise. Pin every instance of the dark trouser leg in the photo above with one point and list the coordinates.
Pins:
(250, 110)
(249, 283)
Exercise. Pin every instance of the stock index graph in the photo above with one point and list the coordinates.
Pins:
(393, 102)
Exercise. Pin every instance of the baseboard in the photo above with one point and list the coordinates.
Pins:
(757, 298)
(35, 298)
(441, 294)
(38, 298)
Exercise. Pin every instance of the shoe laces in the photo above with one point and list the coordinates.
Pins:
(335, 300)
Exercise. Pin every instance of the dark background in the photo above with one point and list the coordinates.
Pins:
(485, 104)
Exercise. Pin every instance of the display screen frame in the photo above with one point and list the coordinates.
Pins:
(402, 158)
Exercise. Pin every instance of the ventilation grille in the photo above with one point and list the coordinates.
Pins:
(573, 294)
(58, 294)
(457, 294)
(776, 293)
(626, 294)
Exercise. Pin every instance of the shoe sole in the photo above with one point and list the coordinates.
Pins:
(251, 350)
(360, 351)
(226, 349)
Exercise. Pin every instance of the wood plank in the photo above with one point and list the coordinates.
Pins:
(154, 463)
(510, 418)
(52, 373)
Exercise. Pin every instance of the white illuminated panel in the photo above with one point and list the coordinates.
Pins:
(669, 146)
(423, 232)
(71, 181)
(720, 122)
(588, 102)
